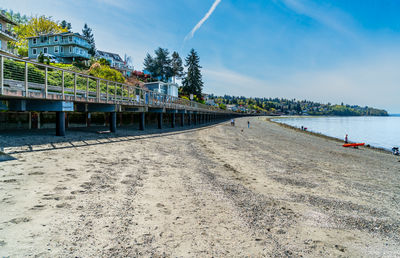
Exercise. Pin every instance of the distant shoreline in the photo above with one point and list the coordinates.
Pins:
(270, 119)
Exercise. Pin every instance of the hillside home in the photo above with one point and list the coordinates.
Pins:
(163, 87)
(67, 46)
(6, 35)
(116, 62)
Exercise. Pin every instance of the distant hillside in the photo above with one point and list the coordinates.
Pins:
(294, 107)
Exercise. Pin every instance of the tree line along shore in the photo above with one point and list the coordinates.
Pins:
(282, 106)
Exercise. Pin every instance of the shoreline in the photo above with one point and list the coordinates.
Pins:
(324, 135)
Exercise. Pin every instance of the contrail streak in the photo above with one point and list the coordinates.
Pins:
(198, 25)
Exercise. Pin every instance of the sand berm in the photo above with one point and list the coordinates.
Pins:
(213, 191)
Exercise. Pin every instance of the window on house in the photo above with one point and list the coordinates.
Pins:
(34, 41)
(34, 51)
(55, 38)
(70, 49)
(0, 44)
(62, 49)
(70, 39)
(45, 50)
(1, 26)
(56, 49)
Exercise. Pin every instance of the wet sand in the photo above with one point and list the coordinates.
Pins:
(215, 191)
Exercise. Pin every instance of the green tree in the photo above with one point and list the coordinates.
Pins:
(193, 83)
(103, 61)
(87, 33)
(160, 65)
(66, 25)
(148, 64)
(176, 65)
(15, 17)
(41, 58)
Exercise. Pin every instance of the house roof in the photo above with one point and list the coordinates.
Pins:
(60, 34)
(112, 55)
(6, 19)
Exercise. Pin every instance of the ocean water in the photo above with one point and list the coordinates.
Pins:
(382, 132)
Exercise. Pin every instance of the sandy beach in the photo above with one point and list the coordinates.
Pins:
(213, 191)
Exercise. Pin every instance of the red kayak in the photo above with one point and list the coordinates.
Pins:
(353, 144)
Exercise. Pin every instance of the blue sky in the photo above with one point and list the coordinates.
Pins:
(328, 51)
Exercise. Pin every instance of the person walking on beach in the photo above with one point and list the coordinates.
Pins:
(248, 124)
(346, 140)
(233, 122)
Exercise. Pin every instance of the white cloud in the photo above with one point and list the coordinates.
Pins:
(198, 25)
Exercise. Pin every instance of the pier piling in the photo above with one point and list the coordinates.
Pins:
(113, 122)
(160, 120)
(173, 120)
(142, 121)
(60, 123)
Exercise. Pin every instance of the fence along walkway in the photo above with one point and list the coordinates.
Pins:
(30, 80)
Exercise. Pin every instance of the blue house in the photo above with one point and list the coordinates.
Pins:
(67, 46)
(163, 87)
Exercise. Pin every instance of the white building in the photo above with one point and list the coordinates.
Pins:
(116, 62)
(163, 87)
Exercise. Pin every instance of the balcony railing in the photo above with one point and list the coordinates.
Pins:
(73, 54)
(59, 42)
(9, 51)
(8, 34)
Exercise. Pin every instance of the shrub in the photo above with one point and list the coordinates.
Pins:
(106, 72)
(41, 58)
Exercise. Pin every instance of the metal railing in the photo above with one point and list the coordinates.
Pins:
(8, 33)
(26, 79)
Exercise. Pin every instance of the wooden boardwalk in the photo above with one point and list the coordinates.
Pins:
(30, 86)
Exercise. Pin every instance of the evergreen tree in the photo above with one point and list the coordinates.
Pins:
(87, 33)
(192, 83)
(176, 65)
(66, 25)
(162, 64)
(148, 64)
